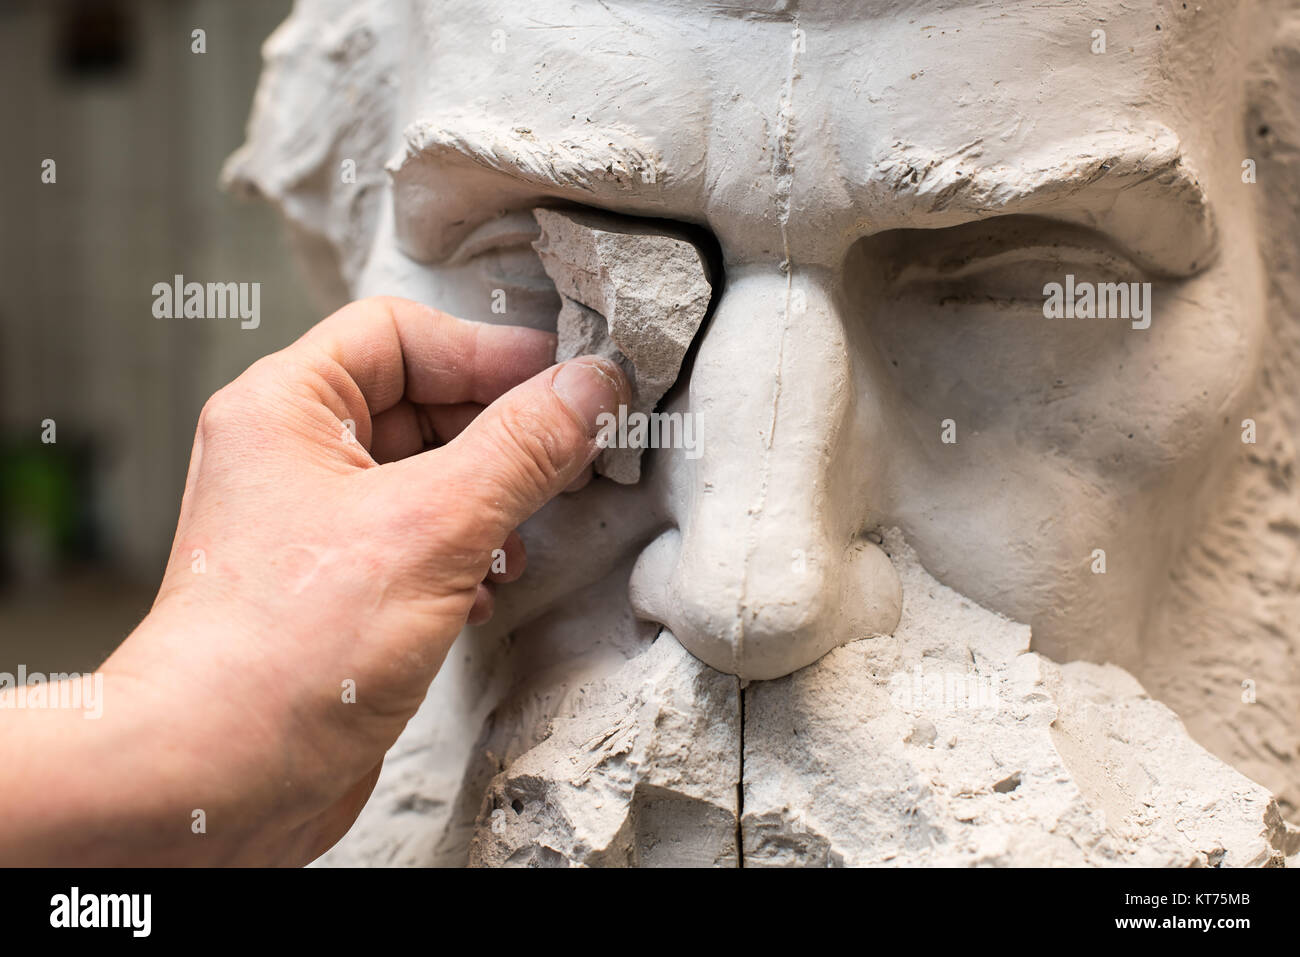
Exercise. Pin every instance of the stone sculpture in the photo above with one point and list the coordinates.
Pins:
(1000, 296)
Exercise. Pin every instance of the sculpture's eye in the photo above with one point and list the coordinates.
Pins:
(625, 253)
(1004, 261)
(498, 256)
(964, 316)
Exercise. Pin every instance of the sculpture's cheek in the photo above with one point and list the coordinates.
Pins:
(1051, 467)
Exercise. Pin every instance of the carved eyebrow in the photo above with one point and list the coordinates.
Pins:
(580, 159)
(452, 174)
(1139, 189)
(1136, 187)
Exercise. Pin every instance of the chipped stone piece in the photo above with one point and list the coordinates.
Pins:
(643, 773)
(632, 293)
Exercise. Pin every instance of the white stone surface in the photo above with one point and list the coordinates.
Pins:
(641, 771)
(876, 269)
(950, 743)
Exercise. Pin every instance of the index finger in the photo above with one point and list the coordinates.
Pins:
(393, 347)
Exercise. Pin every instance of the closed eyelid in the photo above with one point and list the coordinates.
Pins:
(1075, 256)
(966, 252)
(515, 229)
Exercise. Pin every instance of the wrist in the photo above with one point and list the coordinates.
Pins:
(83, 781)
(103, 774)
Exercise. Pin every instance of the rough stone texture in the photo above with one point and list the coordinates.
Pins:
(1224, 653)
(947, 743)
(633, 294)
(639, 770)
(302, 131)
(950, 743)
(494, 699)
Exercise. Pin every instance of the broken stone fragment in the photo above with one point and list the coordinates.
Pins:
(640, 772)
(630, 292)
(946, 743)
(1040, 764)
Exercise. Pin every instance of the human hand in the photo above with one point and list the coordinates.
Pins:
(344, 500)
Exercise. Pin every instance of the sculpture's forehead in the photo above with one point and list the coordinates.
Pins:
(823, 109)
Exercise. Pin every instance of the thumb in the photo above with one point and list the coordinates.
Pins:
(526, 447)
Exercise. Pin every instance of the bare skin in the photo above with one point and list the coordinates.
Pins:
(309, 567)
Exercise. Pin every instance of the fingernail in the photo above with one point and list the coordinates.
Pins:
(590, 386)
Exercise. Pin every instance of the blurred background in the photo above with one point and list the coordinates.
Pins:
(138, 126)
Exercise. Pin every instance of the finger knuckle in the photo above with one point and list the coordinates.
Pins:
(532, 450)
(220, 414)
(376, 305)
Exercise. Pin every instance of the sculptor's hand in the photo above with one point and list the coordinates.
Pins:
(311, 568)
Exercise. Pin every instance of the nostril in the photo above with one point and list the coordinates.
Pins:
(649, 585)
(697, 605)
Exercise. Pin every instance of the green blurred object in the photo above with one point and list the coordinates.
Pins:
(40, 483)
(38, 491)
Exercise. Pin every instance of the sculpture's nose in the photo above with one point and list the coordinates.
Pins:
(768, 568)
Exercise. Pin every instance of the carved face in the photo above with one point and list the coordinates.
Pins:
(892, 188)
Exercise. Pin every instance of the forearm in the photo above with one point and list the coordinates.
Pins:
(109, 774)
(78, 786)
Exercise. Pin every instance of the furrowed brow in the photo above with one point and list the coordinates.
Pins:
(1139, 190)
(451, 175)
